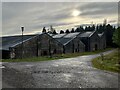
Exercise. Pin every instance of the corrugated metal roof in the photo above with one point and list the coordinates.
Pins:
(10, 41)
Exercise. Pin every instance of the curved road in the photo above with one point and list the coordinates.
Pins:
(63, 73)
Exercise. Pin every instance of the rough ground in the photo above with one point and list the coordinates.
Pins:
(64, 73)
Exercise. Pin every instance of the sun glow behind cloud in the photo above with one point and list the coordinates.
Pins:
(35, 15)
(75, 13)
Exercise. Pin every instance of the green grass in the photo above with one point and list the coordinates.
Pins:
(110, 62)
(54, 57)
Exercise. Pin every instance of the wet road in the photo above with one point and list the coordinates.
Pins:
(64, 73)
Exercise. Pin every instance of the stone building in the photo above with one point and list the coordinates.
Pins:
(102, 40)
(32, 46)
(71, 43)
(49, 44)
(11, 45)
(91, 40)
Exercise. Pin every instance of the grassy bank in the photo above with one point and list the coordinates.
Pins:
(54, 57)
(109, 62)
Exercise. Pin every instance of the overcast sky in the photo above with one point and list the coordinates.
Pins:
(61, 15)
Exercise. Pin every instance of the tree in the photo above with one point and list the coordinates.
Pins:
(51, 29)
(67, 31)
(93, 27)
(81, 29)
(86, 28)
(109, 34)
(97, 28)
(72, 31)
(77, 30)
(54, 32)
(89, 28)
(44, 30)
(105, 22)
(61, 31)
(116, 37)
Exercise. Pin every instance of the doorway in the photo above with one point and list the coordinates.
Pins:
(44, 53)
(96, 47)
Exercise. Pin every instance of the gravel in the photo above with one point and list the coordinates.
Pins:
(64, 73)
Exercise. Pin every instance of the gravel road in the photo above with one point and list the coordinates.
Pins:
(63, 73)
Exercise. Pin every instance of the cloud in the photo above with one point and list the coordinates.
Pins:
(61, 1)
(98, 9)
(35, 15)
(112, 21)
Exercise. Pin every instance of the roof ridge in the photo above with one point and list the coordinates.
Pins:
(92, 33)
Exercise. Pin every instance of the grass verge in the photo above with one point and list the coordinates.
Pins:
(109, 62)
(54, 57)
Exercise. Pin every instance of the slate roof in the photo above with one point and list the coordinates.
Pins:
(65, 38)
(10, 41)
(71, 35)
(59, 35)
(86, 34)
(50, 34)
(100, 34)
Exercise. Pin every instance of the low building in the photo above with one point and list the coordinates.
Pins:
(48, 45)
(91, 40)
(71, 43)
(12, 45)
(31, 46)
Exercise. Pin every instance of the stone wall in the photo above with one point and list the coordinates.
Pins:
(86, 42)
(103, 42)
(25, 50)
(74, 45)
(94, 42)
(47, 45)
(39, 45)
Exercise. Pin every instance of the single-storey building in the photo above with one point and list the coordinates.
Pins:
(10, 44)
(71, 43)
(49, 44)
(30, 46)
(91, 40)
